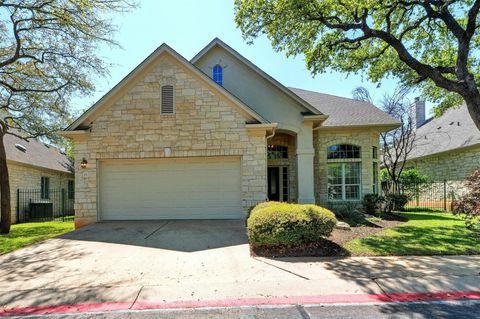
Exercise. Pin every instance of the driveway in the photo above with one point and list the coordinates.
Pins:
(202, 260)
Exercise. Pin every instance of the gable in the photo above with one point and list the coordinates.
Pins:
(142, 71)
(265, 95)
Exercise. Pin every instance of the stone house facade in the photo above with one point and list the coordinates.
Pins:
(211, 137)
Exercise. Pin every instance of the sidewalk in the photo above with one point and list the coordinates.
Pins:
(274, 282)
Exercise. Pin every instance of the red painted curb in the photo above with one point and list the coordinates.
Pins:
(332, 299)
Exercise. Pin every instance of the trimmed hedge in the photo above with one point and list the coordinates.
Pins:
(274, 223)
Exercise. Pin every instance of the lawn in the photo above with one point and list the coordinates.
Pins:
(25, 234)
(425, 233)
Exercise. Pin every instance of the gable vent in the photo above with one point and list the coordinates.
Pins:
(168, 100)
(21, 147)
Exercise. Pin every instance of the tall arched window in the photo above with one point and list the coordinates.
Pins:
(344, 168)
(218, 74)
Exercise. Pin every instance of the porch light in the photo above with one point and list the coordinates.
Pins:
(84, 163)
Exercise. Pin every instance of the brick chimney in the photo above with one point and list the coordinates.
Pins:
(418, 112)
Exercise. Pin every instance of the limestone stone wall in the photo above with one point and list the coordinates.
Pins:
(204, 124)
(289, 141)
(364, 138)
(29, 177)
(451, 166)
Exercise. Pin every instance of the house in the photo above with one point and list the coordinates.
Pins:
(35, 168)
(211, 137)
(447, 147)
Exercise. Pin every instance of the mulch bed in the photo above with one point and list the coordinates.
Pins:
(328, 247)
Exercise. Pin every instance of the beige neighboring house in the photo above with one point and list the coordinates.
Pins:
(37, 167)
(211, 137)
(447, 147)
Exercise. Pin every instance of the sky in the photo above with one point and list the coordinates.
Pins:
(189, 25)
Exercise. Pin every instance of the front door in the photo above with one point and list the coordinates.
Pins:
(274, 183)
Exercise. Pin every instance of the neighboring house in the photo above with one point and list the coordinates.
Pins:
(211, 137)
(36, 167)
(447, 147)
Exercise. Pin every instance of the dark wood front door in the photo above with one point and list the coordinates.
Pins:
(274, 183)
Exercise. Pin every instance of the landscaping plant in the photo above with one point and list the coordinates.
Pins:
(468, 206)
(372, 203)
(275, 223)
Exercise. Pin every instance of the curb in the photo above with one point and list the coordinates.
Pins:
(295, 300)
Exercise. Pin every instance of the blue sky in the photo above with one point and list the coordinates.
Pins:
(189, 25)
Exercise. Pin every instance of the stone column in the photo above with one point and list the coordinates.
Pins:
(305, 153)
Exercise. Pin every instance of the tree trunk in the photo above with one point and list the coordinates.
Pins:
(473, 105)
(5, 216)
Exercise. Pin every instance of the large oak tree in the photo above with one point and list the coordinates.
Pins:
(429, 44)
(48, 54)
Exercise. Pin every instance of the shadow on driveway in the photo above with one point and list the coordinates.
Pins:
(178, 235)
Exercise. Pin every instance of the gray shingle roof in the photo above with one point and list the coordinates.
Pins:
(453, 130)
(36, 154)
(343, 111)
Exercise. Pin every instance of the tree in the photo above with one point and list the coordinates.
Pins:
(48, 54)
(396, 144)
(468, 206)
(430, 44)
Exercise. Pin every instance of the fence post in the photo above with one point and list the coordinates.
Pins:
(18, 205)
(445, 195)
(63, 204)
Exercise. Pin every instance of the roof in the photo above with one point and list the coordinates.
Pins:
(346, 112)
(453, 130)
(252, 66)
(90, 114)
(36, 154)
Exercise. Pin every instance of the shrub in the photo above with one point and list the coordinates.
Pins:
(395, 202)
(372, 203)
(468, 206)
(276, 223)
(348, 212)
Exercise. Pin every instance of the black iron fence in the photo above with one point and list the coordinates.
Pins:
(44, 205)
(430, 195)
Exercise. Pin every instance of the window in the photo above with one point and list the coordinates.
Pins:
(71, 189)
(344, 181)
(168, 100)
(343, 151)
(277, 152)
(375, 178)
(45, 187)
(374, 152)
(285, 184)
(218, 74)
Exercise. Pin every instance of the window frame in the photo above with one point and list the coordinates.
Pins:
(343, 185)
(217, 71)
(174, 108)
(355, 151)
(374, 152)
(279, 149)
(71, 189)
(45, 187)
(375, 177)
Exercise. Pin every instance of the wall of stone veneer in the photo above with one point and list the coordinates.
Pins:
(29, 177)
(205, 124)
(365, 138)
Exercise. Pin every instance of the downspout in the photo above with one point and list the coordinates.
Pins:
(266, 157)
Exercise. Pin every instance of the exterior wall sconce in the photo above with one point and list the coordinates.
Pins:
(84, 163)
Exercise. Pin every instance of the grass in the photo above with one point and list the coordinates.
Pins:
(425, 233)
(25, 234)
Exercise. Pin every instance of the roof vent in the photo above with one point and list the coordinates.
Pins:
(451, 123)
(21, 147)
(439, 127)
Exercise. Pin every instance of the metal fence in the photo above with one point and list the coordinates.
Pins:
(430, 195)
(44, 205)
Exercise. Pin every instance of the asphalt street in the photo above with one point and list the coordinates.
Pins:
(410, 310)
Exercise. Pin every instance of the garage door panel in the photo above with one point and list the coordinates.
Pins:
(194, 188)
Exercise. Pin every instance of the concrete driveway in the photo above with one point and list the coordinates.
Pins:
(202, 260)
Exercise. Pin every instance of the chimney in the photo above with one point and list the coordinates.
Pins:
(418, 112)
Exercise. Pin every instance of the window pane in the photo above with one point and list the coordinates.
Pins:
(334, 192)
(375, 177)
(335, 173)
(277, 151)
(341, 151)
(374, 152)
(352, 173)
(352, 192)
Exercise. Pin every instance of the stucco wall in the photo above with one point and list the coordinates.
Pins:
(364, 138)
(205, 124)
(450, 166)
(28, 177)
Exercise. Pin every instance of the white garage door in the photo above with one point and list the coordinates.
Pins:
(190, 188)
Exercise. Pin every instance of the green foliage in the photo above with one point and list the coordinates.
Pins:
(414, 41)
(274, 223)
(468, 206)
(348, 212)
(372, 203)
(395, 202)
(411, 177)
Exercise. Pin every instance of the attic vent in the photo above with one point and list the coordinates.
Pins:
(168, 100)
(21, 147)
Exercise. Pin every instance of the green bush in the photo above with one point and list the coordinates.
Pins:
(372, 203)
(395, 202)
(348, 212)
(275, 223)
